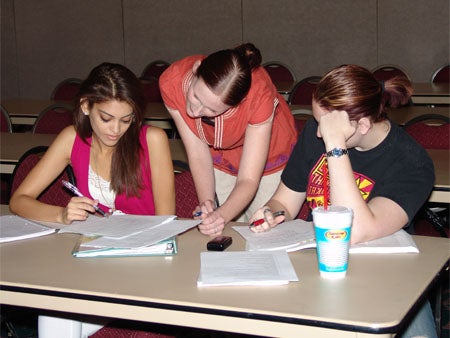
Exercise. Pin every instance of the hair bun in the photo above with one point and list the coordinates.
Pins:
(250, 53)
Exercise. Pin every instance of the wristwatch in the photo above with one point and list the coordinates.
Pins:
(337, 152)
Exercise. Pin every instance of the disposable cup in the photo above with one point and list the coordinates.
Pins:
(332, 229)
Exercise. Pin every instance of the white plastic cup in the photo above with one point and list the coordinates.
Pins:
(332, 229)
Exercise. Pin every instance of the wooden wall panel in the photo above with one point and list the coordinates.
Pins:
(414, 34)
(57, 39)
(47, 40)
(9, 66)
(172, 29)
(312, 36)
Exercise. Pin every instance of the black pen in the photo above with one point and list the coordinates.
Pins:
(77, 192)
(262, 220)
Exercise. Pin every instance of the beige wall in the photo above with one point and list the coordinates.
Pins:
(45, 41)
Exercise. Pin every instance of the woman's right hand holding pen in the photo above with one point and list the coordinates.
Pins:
(212, 221)
(78, 209)
(264, 219)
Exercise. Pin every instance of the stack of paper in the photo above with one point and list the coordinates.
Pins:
(245, 268)
(128, 235)
(298, 234)
(14, 228)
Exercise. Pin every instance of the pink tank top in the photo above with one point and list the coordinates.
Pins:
(142, 205)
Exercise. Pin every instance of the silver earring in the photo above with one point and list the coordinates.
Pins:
(85, 113)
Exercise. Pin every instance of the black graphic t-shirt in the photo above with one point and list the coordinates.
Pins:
(398, 169)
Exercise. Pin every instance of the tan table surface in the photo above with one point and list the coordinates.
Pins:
(378, 292)
(405, 114)
(25, 111)
(441, 160)
(431, 93)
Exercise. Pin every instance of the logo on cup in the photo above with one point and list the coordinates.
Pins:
(336, 234)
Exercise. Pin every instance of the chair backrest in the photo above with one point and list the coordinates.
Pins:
(303, 91)
(66, 90)
(441, 75)
(300, 121)
(432, 131)
(5, 121)
(185, 194)
(154, 69)
(55, 193)
(385, 72)
(151, 89)
(304, 212)
(53, 119)
(278, 71)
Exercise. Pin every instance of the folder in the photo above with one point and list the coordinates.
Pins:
(83, 249)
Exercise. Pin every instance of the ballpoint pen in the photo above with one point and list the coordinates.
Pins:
(77, 192)
(198, 214)
(262, 220)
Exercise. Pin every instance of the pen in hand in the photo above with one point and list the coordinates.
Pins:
(262, 220)
(77, 192)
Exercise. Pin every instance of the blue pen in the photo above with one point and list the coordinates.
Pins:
(198, 214)
(77, 192)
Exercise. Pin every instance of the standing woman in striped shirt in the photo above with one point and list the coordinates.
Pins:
(237, 129)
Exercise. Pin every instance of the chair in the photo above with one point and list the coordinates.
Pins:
(53, 119)
(432, 131)
(154, 69)
(185, 194)
(441, 75)
(300, 121)
(279, 72)
(303, 90)
(304, 212)
(55, 194)
(66, 90)
(150, 86)
(385, 72)
(5, 121)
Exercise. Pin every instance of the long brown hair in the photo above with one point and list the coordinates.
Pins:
(354, 89)
(228, 72)
(106, 82)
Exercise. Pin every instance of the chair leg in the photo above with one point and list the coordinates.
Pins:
(436, 221)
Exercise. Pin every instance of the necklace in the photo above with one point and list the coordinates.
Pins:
(101, 184)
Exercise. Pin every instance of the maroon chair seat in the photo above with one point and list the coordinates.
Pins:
(151, 89)
(154, 69)
(303, 90)
(55, 194)
(279, 72)
(386, 72)
(53, 119)
(441, 75)
(5, 121)
(185, 194)
(431, 131)
(66, 90)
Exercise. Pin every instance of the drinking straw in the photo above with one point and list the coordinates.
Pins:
(326, 193)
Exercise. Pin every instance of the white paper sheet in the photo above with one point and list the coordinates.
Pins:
(245, 268)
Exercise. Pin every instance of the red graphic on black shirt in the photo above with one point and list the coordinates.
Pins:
(314, 191)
